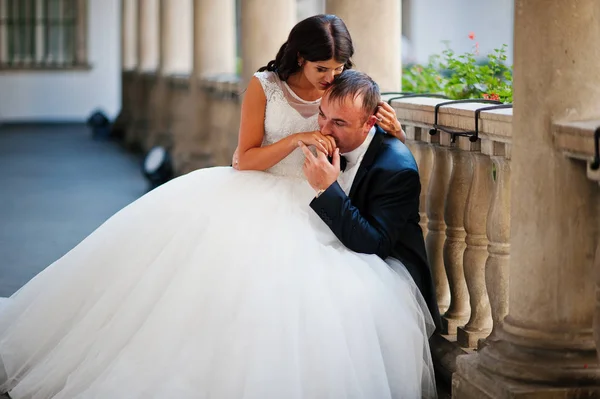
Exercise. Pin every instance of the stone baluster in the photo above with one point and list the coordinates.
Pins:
(476, 254)
(455, 245)
(436, 226)
(498, 233)
(423, 154)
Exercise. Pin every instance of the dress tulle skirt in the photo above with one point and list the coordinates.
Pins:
(219, 284)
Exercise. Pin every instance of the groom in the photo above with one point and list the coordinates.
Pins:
(373, 205)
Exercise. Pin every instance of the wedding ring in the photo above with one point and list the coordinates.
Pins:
(321, 141)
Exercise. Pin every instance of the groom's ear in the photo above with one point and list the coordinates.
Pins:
(371, 121)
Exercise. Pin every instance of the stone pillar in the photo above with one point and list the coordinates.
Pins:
(376, 29)
(308, 8)
(262, 33)
(214, 55)
(129, 42)
(124, 124)
(176, 50)
(214, 37)
(546, 346)
(148, 35)
(147, 55)
(176, 37)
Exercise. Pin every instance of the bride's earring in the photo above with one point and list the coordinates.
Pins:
(299, 64)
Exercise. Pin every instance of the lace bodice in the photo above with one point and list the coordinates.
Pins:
(286, 113)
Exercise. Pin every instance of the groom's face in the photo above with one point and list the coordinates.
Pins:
(346, 121)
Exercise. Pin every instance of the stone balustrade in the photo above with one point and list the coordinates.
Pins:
(465, 215)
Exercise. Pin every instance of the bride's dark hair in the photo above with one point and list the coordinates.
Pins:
(317, 38)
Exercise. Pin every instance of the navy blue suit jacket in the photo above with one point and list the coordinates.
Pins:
(381, 214)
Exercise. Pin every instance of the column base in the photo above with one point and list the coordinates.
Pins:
(473, 381)
(450, 325)
(470, 339)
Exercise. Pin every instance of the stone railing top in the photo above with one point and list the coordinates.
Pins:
(221, 85)
(180, 80)
(495, 126)
(576, 140)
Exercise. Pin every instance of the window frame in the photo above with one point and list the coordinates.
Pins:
(40, 25)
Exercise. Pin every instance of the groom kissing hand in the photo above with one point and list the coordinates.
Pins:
(373, 205)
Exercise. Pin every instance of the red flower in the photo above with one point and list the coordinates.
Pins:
(491, 96)
(472, 35)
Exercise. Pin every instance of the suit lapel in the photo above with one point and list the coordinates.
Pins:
(368, 159)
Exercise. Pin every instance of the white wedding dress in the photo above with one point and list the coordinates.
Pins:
(219, 284)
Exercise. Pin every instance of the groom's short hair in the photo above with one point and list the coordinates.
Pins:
(354, 84)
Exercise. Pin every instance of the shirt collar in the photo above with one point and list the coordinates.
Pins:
(353, 156)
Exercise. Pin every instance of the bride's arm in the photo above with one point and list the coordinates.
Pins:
(250, 154)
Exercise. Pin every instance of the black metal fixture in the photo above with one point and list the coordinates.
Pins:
(596, 163)
(157, 166)
(473, 136)
(401, 95)
(100, 125)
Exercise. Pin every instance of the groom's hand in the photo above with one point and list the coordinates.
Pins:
(319, 172)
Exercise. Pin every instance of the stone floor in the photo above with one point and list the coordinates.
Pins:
(57, 185)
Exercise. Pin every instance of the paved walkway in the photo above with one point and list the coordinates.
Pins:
(57, 185)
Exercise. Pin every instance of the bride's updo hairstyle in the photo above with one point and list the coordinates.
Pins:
(317, 38)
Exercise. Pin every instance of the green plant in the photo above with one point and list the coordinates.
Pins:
(462, 76)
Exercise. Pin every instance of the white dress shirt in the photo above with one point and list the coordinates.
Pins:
(353, 159)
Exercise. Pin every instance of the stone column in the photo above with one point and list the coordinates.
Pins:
(308, 8)
(266, 25)
(147, 55)
(177, 37)
(214, 37)
(124, 122)
(546, 346)
(148, 35)
(376, 29)
(176, 50)
(214, 57)
(129, 42)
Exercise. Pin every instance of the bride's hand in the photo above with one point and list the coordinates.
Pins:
(387, 120)
(325, 144)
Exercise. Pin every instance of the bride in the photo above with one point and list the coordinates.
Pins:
(223, 283)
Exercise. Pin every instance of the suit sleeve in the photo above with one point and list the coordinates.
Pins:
(382, 224)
